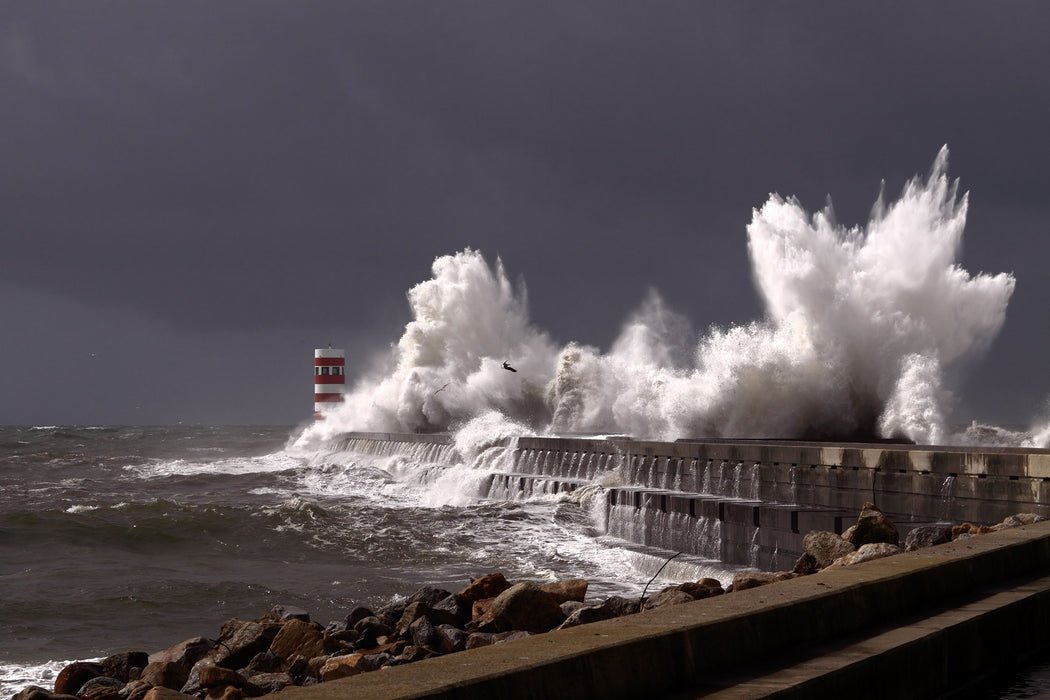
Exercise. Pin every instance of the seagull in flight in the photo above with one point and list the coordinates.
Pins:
(506, 366)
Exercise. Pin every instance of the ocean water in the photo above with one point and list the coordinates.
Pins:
(116, 539)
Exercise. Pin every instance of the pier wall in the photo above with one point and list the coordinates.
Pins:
(750, 502)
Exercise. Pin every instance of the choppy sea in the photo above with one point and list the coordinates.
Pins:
(116, 539)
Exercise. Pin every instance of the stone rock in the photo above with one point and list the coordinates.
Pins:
(670, 596)
(100, 688)
(414, 653)
(71, 678)
(587, 614)
(806, 565)
(429, 595)
(927, 536)
(342, 667)
(523, 606)
(700, 590)
(184, 653)
(825, 547)
(480, 608)
(216, 676)
(1017, 520)
(165, 674)
(969, 529)
(451, 638)
(160, 693)
(418, 609)
(621, 606)
(456, 606)
(511, 636)
(484, 639)
(873, 527)
(751, 579)
(35, 692)
(119, 665)
(371, 629)
(573, 589)
(263, 662)
(135, 690)
(301, 638)
(424, 634)
(226, 692)
(867, 552)
(271, 682)
(239, 641)
(356, 615)
(488, 586)
(571, 606)
(479, 639)
(288, 612)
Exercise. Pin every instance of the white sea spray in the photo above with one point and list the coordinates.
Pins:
(867, 331)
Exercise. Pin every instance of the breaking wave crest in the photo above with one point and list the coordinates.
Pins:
(866, 332)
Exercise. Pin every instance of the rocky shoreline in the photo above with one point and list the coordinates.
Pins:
(285, 648)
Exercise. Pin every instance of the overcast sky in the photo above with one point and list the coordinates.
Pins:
(194, 195)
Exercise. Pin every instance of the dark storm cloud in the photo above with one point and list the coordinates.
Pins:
(250, 166)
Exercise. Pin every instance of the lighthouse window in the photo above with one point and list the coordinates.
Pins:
(317, 370)
(337, 370)
(324, 370)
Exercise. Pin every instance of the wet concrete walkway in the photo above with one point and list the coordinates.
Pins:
(913, 625)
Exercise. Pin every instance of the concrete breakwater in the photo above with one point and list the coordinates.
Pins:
(750, 502)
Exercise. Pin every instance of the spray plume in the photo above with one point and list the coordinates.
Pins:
(866, 330)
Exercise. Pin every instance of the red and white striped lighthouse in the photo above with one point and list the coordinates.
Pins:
(329, 379)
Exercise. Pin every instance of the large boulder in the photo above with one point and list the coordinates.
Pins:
(165, 674)
(271, 682)
(135, 690)
(428, 595)
(752, 579)
(423, 633)
(71, 678)
(459, 608)
(300, 638)
(872, 527)
(240, 640)
(101, 688)
(184, 653)
(35, 692)
(120, 666)
(704, 588)
(523, 606)
(668, 596)
(572, 589)
(1017, 520)
(166, 694)
(342, 667)
(371, 630)
(451, 638)
(867, 552)
(418, 609)
(927, 536)
(825, 547)
(488, 586)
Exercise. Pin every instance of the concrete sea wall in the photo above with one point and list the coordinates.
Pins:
(750, 502)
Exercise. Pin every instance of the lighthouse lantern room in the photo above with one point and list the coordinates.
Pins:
(329, 380)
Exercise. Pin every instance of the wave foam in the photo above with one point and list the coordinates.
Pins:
(867, 330)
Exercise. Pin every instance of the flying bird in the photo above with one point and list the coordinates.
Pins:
(441, 389)
(506, 366)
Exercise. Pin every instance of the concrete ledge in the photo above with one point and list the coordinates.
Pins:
(663, 651)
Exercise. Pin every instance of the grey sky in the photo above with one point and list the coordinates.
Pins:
(194, 194)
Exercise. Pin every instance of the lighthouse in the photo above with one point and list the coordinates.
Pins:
(329, 379)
